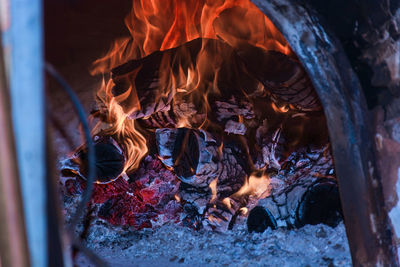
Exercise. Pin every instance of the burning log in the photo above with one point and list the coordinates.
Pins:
(287, 81)
(110, 161)
(210, 171)
(198, 159)
(309, 200)
(281, 74)
(146, 86)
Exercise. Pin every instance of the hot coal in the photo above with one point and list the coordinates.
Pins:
(145, 200)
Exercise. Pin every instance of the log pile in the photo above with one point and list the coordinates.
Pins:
(242, 118)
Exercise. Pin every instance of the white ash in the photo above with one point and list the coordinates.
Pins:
(233, 127)
(233, 108)
(172, 245)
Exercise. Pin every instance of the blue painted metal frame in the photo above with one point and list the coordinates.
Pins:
(25, 38)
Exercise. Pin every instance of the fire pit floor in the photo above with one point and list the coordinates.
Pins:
(172, 245)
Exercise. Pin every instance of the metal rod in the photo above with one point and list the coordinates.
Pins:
(76, 242)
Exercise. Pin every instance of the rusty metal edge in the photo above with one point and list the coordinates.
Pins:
(367, 226)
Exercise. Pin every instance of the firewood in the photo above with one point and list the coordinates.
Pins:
(260, 219)
(198, 159)
(282, 76)
(309, 200)
(155, 79)
(110, 161)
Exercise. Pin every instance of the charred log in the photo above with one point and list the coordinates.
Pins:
(260, 219)
(307, 201)
(287, 81)
(198, 159)
(320, 204)
(139, 84)
(110, 161)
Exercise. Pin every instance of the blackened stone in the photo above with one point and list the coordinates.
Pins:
(260, 219)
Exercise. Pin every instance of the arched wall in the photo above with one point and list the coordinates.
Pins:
(368, 229)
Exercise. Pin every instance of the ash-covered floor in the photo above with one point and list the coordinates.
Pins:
(172, 245)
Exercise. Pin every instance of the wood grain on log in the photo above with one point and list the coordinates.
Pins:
(197, 159)
(110, 161)
(309, 200)
(282, 76)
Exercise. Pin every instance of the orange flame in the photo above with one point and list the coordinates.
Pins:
(213, 187)
(163, 24)
(282, 109)
(256, 185)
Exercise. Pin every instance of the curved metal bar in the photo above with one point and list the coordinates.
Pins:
(91, 164)
(89, 142)
(367, 225)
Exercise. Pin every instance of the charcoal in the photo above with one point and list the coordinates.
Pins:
(320, 204)
(193, 157)
(218, 217)
(149, 87)
(109, 163)
(198, 159)
(197, 198)
(287, 81)
(193, 219)
(260, 219)
(309, 200)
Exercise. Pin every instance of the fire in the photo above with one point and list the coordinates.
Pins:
(244, 210)
(213, 187)
(227, 202)
(160, 25)
(163, 24)
(256, 185)
(282, 109)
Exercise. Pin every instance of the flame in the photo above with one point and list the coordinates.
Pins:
(227, 202)
(244, 211)
(159, 25)
(281, 109)
(256, 185)
(164, 24)
(213, 187)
